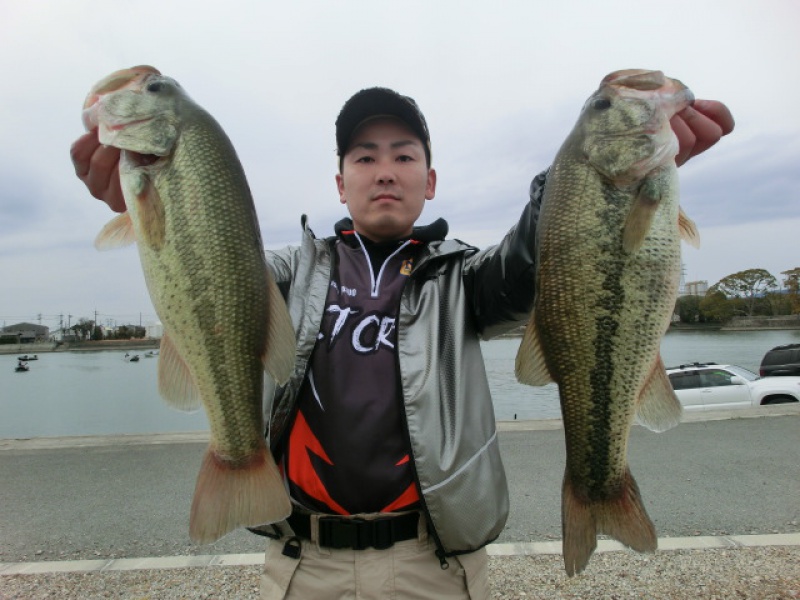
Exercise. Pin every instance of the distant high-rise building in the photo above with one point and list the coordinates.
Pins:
(695, 288)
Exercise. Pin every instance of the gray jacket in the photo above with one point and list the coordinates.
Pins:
(455, 296)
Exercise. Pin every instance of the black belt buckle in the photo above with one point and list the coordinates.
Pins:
(356, 533)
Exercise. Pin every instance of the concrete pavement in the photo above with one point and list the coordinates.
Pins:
(97, 504)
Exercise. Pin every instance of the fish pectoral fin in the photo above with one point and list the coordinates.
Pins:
(150, 208)
(658, 407)
(640, 217)
(688, 230)
(530, 366)
(247, 492)
(175, 383)
(117, 233)
(280, 344)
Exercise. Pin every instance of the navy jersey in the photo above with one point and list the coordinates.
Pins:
(347, 451)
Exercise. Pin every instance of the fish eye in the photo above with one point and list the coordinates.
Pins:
(155, 87)
(601, 104)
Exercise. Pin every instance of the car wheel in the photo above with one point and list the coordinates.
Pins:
(778, 400)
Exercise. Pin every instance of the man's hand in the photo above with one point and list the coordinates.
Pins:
(97, 166)
(699, 127)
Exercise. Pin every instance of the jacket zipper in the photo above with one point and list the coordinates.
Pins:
(439, 552)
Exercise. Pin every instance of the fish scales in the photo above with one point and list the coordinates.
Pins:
(227, 285)
(190, 211)
(608, 256)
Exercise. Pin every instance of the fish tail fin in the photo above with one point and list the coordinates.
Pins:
(230, 495)
(530, 366)
(623, 517)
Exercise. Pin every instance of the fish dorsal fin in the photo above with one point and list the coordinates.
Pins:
(281, 344)
(117, 233)
(688, 230)
(530, 367)
(658, 408)
(648, 198)
(175, 383)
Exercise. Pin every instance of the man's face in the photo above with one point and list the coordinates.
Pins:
(385, 179)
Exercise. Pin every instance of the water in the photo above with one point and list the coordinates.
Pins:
(86, 393)
(99, 393)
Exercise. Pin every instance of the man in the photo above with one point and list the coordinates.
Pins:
(387, 437)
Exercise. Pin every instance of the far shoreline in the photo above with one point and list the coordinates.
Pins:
(790, 323)
(88, 346)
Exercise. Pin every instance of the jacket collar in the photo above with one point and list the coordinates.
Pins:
(435, 232)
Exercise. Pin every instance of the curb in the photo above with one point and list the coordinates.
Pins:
(494, 550)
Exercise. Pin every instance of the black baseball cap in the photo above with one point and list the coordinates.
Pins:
(377, 102)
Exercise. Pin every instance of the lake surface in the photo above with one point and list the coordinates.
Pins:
(99, 393)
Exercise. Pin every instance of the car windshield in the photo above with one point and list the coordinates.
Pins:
(742, 372)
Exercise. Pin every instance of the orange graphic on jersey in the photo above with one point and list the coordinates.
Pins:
(301, 471)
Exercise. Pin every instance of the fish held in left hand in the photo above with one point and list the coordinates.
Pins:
(608, 268)
(190, 211)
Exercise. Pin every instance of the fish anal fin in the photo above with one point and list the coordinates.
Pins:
(117, 233)
(658, 408)
(175, 383)
(530, 366)
(622, 517)
(246, 493)
(280, 344)
(688, 230)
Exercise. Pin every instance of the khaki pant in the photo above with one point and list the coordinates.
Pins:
(408, 570)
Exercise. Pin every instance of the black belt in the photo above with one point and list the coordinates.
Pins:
(357, 533)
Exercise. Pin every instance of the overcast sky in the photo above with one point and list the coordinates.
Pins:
(501, 84)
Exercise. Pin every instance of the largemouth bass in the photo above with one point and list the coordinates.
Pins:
(190, 211)
(607, 280)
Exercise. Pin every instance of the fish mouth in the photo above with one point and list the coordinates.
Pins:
(124, 78)
(673, 95)
(118, 80)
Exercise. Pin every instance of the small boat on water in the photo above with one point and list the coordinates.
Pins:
(22, 367)
(131, 358)
(150, 354)
(27, 357)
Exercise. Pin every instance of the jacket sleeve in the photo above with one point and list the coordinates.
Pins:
(281, 264)
(500, 280)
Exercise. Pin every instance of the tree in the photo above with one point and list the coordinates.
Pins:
(83, 329)
(748, 285)
(688, 308)
(792, 283)
(715, 306)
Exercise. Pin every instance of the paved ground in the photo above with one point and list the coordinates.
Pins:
(129, 496)
(722, 489)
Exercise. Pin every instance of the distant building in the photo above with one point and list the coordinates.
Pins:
(155, 331)
(64, 335)
(26, 333)
(695, 288)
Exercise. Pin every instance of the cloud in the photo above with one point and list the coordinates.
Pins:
(500, 87)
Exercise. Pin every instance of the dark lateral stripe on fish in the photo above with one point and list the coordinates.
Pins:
(606, 329)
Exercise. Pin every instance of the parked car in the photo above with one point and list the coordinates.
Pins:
(781, 360)
(708, 386)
